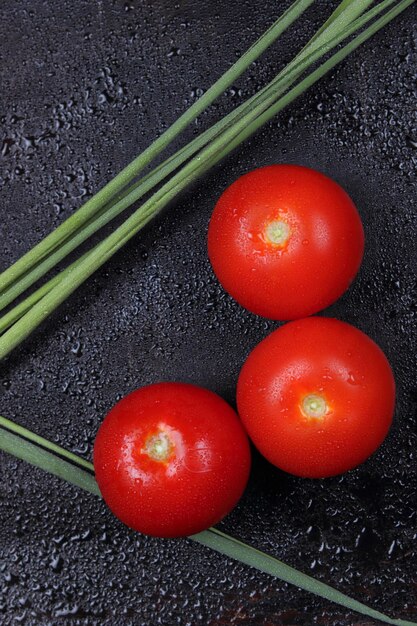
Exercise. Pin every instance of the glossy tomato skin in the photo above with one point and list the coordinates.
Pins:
(171, 459)
(315, 257)
(335, 364)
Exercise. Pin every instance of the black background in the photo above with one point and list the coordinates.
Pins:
(84, 87)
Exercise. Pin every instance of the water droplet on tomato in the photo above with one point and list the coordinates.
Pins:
(352, 379)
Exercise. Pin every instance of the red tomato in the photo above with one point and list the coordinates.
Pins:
(285, 241)
(171, 459)
(317, 397)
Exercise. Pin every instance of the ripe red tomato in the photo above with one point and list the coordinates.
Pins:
(285, 241)
(171, 459)
(317, 397)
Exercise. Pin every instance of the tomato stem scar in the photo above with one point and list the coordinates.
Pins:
(277, 232)
(159, 447)
(314, 406)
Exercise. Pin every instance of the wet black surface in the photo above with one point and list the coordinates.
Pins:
(84, 87)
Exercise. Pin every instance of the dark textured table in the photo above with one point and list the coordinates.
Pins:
(84, 87)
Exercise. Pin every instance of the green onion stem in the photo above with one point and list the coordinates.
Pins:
(45, 443)
(317, 74)
(239, 551)
(26, 445)
(43, 458)
(341, 18)
(109, 191)
(190, 172)
(310, 54)
(23, 307)
(345, 12)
